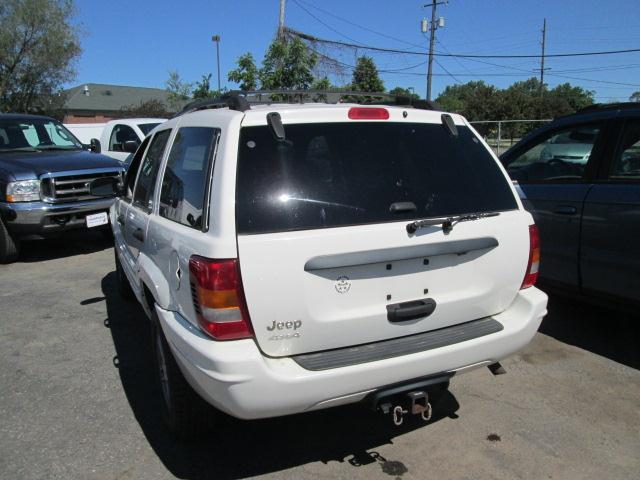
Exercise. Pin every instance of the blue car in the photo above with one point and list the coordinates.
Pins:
(580, 175)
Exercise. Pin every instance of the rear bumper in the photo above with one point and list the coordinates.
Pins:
(238, 379)
(41, 219)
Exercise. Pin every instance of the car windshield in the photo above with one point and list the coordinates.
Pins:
(147, 127)
(338, 174)
(35, 135)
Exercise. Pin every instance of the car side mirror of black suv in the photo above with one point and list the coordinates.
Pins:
(106, 187)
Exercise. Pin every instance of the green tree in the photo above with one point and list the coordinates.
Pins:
(38, 45)
(475, 100)
(404, 92)
(177, 90)
(203, 88)
(565, 99)
(287, 65)
(150, 108)
(635, 97)
(246, 74)
(321, 84)
(365, 76)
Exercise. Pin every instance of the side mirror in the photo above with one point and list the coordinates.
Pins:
(94, 145)
(105, 187)
(130, 146)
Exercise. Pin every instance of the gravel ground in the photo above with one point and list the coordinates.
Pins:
(77, 399)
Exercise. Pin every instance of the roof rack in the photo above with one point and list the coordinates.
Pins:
(609, 106)
(232, 99)
(241, 101)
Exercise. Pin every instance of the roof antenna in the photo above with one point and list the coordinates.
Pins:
(275, 122)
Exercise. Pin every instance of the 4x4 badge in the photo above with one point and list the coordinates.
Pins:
(342, 285)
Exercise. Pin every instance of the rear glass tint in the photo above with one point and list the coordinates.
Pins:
(339, 174)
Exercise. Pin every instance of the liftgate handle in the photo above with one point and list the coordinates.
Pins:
(401, 312)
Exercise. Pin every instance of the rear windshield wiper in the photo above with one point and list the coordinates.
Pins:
(448, 222)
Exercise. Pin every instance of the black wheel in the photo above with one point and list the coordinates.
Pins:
(9, 246)
(186, 414)
(123, 282)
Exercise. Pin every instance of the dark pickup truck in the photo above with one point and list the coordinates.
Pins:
(44, 177)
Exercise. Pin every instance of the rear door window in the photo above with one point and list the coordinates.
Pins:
(558, 156)
(339, 174)
(184, 185)
(146, 183)
(626, 164)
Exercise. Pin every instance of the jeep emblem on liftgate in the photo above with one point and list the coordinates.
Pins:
(342, 284)
(285, 325)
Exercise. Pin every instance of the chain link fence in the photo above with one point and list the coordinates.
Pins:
(502, 134)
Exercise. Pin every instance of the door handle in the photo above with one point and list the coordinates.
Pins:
(120, 219)
(565, 210)
(138, 234)
(401, 312)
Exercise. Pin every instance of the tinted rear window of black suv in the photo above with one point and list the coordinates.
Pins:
(338, 174)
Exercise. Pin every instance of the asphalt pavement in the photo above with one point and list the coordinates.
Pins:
(78, 399)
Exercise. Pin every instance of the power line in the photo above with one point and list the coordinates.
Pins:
(358, 25)
(323, 23)
(458, 55)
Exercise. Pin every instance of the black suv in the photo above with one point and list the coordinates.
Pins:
(44, 177)
(580, 175)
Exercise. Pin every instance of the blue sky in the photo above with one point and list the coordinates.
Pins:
(137, 42)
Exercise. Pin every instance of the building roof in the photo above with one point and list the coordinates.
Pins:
(101, 97)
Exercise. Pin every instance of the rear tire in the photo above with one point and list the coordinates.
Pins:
(9, 246)
(124, 288)
(185, 414)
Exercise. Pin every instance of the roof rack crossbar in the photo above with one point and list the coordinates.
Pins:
(231, 99)
(241, 100)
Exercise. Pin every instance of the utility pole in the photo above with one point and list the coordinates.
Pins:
(544, 39)
(435, 23)
(216, 39)
(281, 19)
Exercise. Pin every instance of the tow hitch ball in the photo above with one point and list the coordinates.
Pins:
(418, 405)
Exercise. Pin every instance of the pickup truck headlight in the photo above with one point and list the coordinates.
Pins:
(23, 191)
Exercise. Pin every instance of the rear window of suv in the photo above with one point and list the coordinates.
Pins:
(339, 174)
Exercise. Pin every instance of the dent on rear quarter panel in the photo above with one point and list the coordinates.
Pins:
(155, 281)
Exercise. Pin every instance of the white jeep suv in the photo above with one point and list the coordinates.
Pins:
(295, 257)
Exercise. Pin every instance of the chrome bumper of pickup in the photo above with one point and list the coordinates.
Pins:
(38, 219)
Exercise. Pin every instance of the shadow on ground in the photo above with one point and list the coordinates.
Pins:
(610, 333)
(81, 242)
(238, 449)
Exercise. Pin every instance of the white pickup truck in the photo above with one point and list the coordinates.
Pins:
(112, 137)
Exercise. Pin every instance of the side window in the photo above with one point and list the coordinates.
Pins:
(132, 169)
(146, 183)
(561, 155)
(626, 164)
(120, 135)
(182, 197)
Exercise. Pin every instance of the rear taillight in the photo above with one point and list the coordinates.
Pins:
(533, 266)
(368, 113)
(218, 298)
